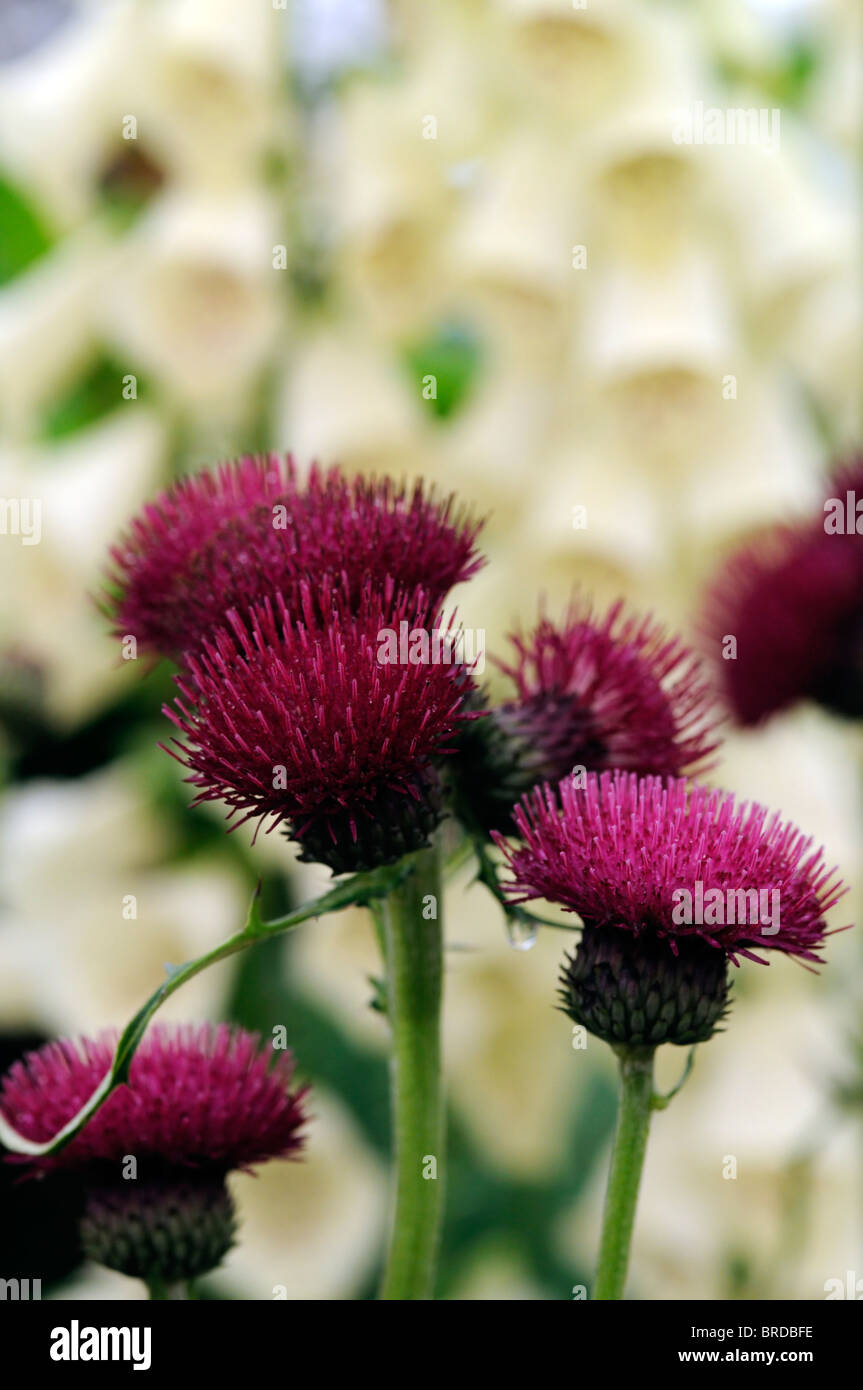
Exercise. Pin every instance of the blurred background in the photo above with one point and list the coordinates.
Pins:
(460, 241)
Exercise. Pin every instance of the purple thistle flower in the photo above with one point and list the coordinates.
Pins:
(376, 528)
(314, 726)
(198, 1097)
(671, 882)
(618, 849)
(593, 692)
(250, 529)
(792, 601)
(200, 1103)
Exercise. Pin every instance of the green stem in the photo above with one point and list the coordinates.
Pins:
(514, 913)
(160, 1289)
(627, 1161)
(362, 889)
(414, 966)
(659, 1102)
(376, 908)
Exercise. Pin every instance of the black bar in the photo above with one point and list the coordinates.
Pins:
(253, 1340)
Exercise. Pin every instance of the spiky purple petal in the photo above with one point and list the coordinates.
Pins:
(230, 537)
(203, 1097)
(617, 849)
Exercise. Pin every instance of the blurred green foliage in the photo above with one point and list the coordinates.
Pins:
(24, 235)
(452, 355)
(95, 393)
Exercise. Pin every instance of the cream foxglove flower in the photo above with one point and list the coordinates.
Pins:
(577, 60)
(824, 344)
(651, 352)
(203, 81)
(801, 218)
(78, 490)
(741, 1139)
(837, 98)
(392, 202)
(196, 298)
(510, 1058)
(310, 1230)
(62, 108)
(511, 250)
(227, 34)
(47, 327)
(491, 443)
(597, 510)
(346, 397)
(763, 463)
(58, 838)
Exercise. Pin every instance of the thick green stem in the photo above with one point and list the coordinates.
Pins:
(627, 1160)
(414, 967)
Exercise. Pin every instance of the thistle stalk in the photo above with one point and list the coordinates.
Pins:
(414, 973)
(624, 1177)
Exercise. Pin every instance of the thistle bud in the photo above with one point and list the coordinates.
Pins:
(636, 991)
(169, 1231)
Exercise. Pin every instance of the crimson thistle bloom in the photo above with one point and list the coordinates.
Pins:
(593, 692)
(315, 727)
(791, 602)
(289, 711)
(227, 538)
(200, 1102)
(632, 856)
(671, 883)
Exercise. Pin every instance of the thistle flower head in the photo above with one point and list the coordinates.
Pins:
(208, 1099)
(206, 544)
(373, 528)
(319, 727)
(671, 883)
(593, 692)
(250, 529)
(783, 616)
(200, 1102)
(648, 855)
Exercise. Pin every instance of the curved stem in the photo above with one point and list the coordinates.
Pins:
(660, 1102)
(513, 912)
(414, 966)
(361, 889)
(459, 856)
(627, 1161)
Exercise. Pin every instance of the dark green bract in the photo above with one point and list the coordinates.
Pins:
(635, 991)
(169, 1231)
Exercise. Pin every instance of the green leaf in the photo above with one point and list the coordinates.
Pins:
(785, 79)
(94, 395)
(24, 236)
(452, 357)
